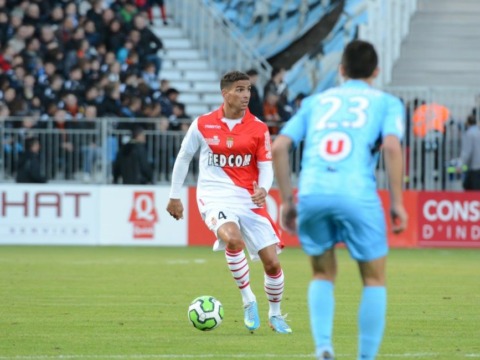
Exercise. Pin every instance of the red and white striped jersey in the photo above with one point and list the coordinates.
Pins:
(228, 163)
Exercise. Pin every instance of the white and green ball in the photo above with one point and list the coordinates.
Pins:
(205, 313)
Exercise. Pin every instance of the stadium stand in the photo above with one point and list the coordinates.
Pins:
(81, 75)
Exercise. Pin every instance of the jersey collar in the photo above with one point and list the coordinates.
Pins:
(246, 118)
(353, 83)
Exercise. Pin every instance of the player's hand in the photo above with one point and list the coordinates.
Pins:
(175, 208)
(259, 195)
(288, 217)
(399, 218)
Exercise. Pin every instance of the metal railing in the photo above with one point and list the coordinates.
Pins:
(84, 151)
(387, 25)
(223, 46)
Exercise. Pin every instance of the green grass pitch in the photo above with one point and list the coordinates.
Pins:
(131, 303)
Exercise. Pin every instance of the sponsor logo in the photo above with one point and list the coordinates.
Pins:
(449, 219)
(143, 215)
(222, 160)
(213, 141)
(52, 215)
(268, 145)
(208, 126)
(335, 146)
(447, 210)
(36, 205)
(229, 142)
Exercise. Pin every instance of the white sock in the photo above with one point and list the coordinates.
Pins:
(274, 290)
(238, 265)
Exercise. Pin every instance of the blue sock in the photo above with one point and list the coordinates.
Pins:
(371, 321)
(321, 304)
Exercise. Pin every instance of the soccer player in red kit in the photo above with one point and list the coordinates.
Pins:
(235, 176)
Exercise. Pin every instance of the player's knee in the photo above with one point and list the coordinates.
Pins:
(231, 237)
(234, 242)
(272, 266)
(374, 280)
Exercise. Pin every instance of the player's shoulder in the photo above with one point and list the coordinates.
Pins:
(257, 124)
(392, 100)
(209, 120)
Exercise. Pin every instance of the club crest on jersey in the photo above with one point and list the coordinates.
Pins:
(229, 142)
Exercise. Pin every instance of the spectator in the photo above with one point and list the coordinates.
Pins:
(277, 85)
(150, 77)
(470, 156)
(29, 168)
(256, 104)
(271, 114)
(95, 14)
(179, 120)
(91, 149)
(149, 43)
(167, 101)
(116, 37)
(161, 6)
(297, 102)
(131, 165)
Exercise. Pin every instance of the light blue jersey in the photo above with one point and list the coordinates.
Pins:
(342, 128)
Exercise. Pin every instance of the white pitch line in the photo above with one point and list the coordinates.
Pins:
(211, 356)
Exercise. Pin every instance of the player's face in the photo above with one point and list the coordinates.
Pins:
(237, 96)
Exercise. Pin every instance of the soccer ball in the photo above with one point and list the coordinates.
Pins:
(205, 313)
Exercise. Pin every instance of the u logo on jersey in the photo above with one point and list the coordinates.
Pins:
(335, 146)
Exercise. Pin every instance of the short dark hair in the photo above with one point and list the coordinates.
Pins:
(231, 77)
(359, 59)
(252, 72)
(171, 91)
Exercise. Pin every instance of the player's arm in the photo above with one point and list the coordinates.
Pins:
(189, 146)
(291, 135)
(265, 180)
(281, 166)
(392, 151)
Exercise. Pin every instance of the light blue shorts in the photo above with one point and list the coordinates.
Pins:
(325, 220)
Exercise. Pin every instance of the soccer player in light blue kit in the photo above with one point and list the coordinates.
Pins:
(344, 128)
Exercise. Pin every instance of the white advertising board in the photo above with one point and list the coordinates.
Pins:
(89, 215)
(136, 215)
(49, 214)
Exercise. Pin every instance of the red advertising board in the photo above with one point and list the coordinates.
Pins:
(198, 233)
(448, 219)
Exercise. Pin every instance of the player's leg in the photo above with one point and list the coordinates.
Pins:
(367, 243)
(274, 282)
(373, 307)
(226, 226)
(237, 262)
(262, 241)
(318, 235)
(321, 302)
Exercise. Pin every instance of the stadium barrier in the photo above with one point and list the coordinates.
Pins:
(135, 215)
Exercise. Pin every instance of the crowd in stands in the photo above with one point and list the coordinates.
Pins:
(272, 105)
(79, 59)
(73, 61)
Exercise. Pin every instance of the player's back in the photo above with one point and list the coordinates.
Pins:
(343, 128)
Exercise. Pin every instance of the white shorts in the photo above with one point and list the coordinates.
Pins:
(255, 226)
